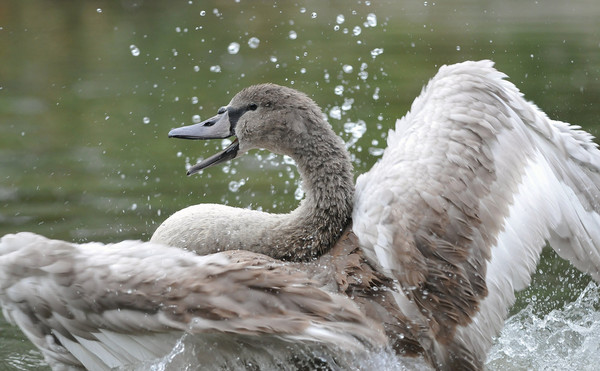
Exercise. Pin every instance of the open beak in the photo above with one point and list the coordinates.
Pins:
(216, 127)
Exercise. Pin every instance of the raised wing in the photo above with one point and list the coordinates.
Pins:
(104, 306)
(474, 182)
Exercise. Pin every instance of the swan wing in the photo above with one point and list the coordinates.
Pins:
(103, 306)
(474, 182)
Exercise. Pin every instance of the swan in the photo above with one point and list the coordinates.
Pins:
(423, 255)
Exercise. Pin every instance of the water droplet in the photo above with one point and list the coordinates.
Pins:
(457, 47)
(216, 68)
(288, 160)
(253, 42)
(235, 186)
(273, 59)
(146, 120)
(356, 30)
(347, 68)
(340, 19)
(339, 90)
(356, 129)
(299, 193)
(347, 104)
(194, 100)
(134, 206)
(233, 48)
(376, 151)
(134, 50)
(371, 20)
(377, 51)
(99, 10)
(376, 94)
(202, 13)
(313, 15)
(225, 142)
(292, 35)
(196, 119)
(196, 68)
(335, 112)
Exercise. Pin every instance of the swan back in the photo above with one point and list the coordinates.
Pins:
(103, 306)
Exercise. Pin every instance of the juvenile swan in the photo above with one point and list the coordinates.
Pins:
(424, 257)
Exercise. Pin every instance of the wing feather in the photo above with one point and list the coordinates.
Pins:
(474, 182)
(103, 306)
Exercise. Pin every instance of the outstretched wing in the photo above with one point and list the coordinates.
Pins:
(474, 182)
(103, 306)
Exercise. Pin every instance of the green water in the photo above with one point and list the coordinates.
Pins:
(89, 89)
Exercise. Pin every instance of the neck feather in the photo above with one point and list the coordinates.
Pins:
(305, 233)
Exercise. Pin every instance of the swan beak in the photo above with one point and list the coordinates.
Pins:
(227, 154)
(216, 127)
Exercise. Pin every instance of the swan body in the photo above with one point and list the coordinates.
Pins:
(423, 257)
(103, 306)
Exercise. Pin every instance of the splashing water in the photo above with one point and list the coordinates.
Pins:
(253, 42)
(135, 51)
(269, 353)
(233, 48)
(371, 20)
(356, 129)
(564, 339)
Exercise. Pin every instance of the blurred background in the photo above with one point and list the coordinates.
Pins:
(89, 90)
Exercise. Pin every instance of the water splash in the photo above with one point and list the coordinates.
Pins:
(135, 51)
(356, 130)
(564, 339)
(375, 52)
(371, 20)
(254, 42)
(235, 186)
(268, 353)
(233, 48)
(335, 113)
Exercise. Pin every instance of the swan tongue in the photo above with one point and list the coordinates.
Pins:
(227, 154)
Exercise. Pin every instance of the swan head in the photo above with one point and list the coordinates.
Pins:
(267, 116)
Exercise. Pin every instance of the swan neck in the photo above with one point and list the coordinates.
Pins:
(327, 180)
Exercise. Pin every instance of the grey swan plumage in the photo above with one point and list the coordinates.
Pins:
(424, 257)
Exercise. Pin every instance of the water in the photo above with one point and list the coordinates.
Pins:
(87, 97)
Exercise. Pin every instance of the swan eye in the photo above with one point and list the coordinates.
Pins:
(252, 107)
